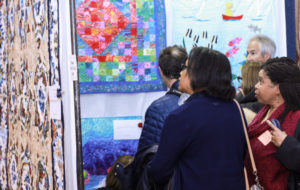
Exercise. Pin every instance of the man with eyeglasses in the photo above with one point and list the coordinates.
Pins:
(260, 48)
(170, 62)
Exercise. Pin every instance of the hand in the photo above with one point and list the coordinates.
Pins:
(278, 136)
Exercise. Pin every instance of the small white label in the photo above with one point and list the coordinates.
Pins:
(265, 138)
(126, 129)
(73, 67)
(55, 103)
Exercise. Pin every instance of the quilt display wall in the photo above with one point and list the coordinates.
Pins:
(31, 143)
(118, 43)
(222, 25)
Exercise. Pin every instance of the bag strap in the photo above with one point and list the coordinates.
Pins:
(247, 138)
(254, 169)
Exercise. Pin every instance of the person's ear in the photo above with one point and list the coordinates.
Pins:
(266, 56)
(160, 71)
(277, 89)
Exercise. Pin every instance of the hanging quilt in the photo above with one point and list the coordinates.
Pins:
(3, 97)
(102, 143)
(31, 143)
(225, 26)
(118, 43)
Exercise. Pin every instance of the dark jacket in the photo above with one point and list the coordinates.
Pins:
(155, 116)
(135, 175)
(249, 101)
(203, 142)
(104, 188)
(289, 155)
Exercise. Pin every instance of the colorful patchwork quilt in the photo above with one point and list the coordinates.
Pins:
(118, 43)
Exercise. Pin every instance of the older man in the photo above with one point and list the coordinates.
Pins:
(260, 48)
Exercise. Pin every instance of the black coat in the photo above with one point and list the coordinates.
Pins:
(204, 144)
(104, 188)
(289, 155)
(249, 101)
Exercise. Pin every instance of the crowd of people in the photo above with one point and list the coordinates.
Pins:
(202, 143)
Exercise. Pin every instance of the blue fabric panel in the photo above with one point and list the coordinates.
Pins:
(290, 28)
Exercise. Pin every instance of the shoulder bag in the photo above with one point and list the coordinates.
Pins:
(256, 186)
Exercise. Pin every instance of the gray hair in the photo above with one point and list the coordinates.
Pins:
(266, 44)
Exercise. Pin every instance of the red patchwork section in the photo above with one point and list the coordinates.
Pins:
(99, 22)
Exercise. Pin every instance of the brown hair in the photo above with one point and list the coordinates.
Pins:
(111, 180)
(250, 75)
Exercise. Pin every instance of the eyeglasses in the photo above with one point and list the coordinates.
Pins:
(184, 66)
(239, 79)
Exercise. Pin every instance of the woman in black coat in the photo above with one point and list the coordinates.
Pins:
(203, 143)
(288, 153)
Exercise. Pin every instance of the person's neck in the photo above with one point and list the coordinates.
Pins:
(278, 102)
(170, 82)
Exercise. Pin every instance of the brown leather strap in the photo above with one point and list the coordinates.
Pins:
(246, 179)
(247, 138)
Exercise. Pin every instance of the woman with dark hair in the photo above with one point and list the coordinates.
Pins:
(202, 142)
(278, 89)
